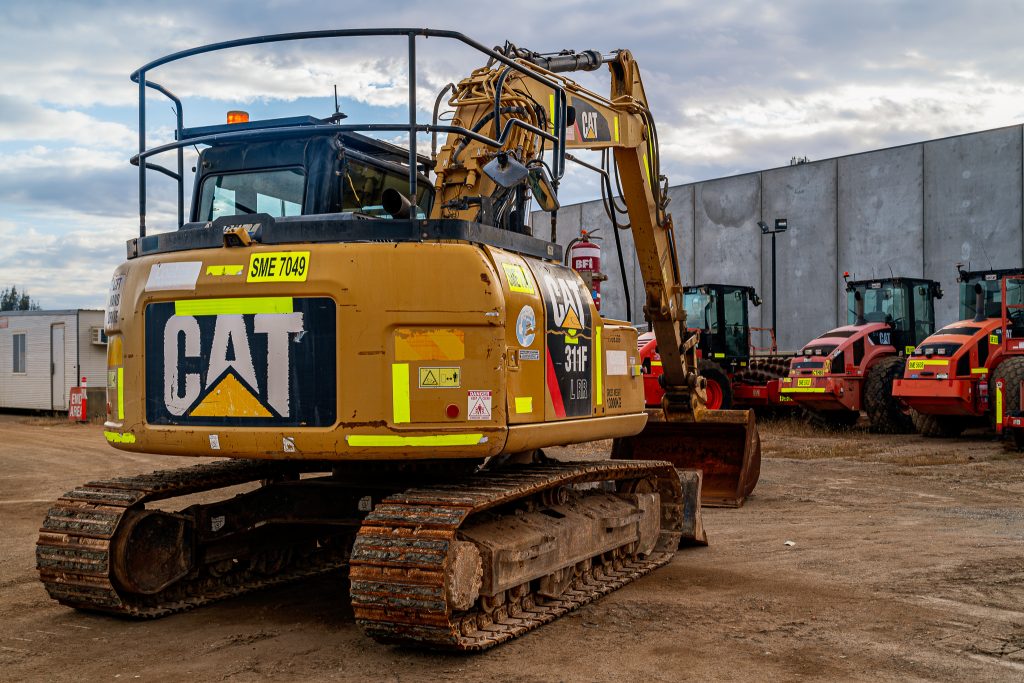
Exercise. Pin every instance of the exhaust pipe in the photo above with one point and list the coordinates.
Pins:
(979, 303)
(858, 308)
(396, 203)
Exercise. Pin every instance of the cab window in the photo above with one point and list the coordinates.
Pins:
(279, 192)
(924, 312)
(700, 310)
(363, 186)
(735, 323)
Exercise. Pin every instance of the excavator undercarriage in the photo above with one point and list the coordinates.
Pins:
(464, 563)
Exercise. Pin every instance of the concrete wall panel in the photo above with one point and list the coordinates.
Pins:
(972, 207)
(880, 216)
(807, 281)
(727, 241)
(681, 210)
(613, 297)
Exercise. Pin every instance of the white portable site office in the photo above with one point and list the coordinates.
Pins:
(45, 353)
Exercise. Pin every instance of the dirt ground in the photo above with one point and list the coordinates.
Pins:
(907, 564)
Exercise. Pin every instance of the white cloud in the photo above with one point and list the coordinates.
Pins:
(71, 269)
(25, 121)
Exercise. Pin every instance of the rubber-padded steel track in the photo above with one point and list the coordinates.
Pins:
(398, 567)
(74, 550)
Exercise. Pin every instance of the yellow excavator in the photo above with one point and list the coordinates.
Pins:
(381, 359)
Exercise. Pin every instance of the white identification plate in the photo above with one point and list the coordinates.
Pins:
(165, 276)
(616, 363)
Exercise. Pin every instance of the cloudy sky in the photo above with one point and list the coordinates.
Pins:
(735, 87)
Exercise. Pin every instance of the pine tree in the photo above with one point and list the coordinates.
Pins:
(13, 300)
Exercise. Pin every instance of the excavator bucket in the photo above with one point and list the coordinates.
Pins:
(723, 444)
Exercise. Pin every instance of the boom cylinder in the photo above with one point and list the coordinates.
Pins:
(587, 60)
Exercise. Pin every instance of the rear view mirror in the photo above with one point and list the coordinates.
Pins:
(570, 116)
(543, 189)
(505, 170)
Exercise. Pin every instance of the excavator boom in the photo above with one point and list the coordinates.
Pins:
(724, 443)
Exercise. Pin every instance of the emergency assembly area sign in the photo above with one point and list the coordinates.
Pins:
(241, 362)
(569, 339)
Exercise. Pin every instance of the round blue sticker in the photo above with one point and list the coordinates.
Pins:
(526, 326)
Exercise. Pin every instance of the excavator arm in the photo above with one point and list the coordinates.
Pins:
(537, 125)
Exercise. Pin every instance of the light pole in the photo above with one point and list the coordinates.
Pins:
(780, 226)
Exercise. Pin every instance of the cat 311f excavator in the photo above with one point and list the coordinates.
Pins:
(381, 360)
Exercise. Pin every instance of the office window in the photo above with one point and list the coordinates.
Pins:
(19, 353)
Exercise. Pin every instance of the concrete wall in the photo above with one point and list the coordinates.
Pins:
(916, 209)
(972, 206)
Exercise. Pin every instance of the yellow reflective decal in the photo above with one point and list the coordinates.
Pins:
(440, 378)
(818, 373)
(400, 392)
(719, 355)
(598, 370)
(278, 266)
(999, 405)
(803, 390)
(119, 437)
(430, 344)
(392, 441)
(551, 109)
(993, 340)
(979, 371)
(909, 350)
(804, 382)
(274, 304)
(217, 271)
(518, 280)
(524, 404)
(616, 129)
(120, 393)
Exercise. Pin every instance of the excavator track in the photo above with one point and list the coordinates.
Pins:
(75, 553)
(403, 556)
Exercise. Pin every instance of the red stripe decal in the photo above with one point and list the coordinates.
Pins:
(553, 389)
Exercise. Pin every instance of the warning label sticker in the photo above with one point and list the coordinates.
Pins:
(479, 405)
(518, 280)
(440, 378)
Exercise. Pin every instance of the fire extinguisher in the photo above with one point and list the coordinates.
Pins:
(585, 258)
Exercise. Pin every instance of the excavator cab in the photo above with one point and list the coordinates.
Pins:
(298, 166)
